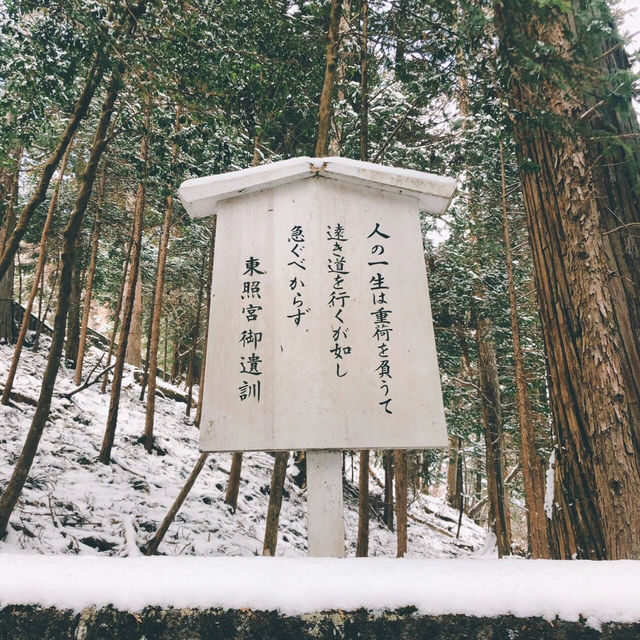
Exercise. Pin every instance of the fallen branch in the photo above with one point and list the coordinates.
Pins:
(375, 477)
(162, 390)
(153, 544)
(87, 383)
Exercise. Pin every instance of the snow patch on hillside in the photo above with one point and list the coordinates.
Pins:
(72, 504)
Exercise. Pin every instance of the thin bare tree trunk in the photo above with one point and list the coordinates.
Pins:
(95, 236)
(43, 320)
(41, 287)
(275, 503)
(324, 113)
(532, 469)
(233, 488)
(499, 516)
(206, 323)
(37, 280)
(134, 339)
(196, 333)
(73, 316)
(6, 282)
(400, 460)
(453, 485)
(118, 309)
(388, 488)
(153, 544)
(156, 315)
(13, 489)
(362, 544)
(79, 111)
(136, 244)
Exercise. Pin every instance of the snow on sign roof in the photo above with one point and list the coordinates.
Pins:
(200, 196)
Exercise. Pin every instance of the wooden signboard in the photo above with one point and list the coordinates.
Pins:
(320, 335)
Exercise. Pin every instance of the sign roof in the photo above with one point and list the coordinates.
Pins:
(200, 196)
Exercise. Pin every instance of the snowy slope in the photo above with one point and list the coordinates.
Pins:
(73, 504)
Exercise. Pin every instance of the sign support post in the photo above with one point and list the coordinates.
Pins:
(325, 512)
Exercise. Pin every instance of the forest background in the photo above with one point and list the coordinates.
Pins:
(534, 271)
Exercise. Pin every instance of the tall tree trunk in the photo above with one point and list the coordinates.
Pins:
(134, 339)
(157, 307)
(324, 113)
(387, 459)
(455, 480)
(136, 245)
(23, 465)
(400, 460)
(118, 309)
(78, 113)
(275, 503)
(499, 518)
(43, 319)
(38, 281)
(233, 488)
(6, 282)
(207, 314)
(530, 461)
(88, 290)
(454, 489)
(73, 317)
(583, 213)
(196, 333)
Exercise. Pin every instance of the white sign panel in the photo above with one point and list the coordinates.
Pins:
(320, 334)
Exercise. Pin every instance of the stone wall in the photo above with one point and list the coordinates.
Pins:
(155, 623)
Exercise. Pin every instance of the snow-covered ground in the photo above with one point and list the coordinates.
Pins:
(72, 504)
(596, 591)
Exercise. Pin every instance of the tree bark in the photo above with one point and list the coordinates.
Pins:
(530, 461)
(6, 281)
(400, 460)
(118, 309)
(582, 216)
(155, 322)
(196, 332)
(38, 281)
(23, 465)
(136, 245)
(134, 339)
(454, 473)
(233, 488)
(79, 111)
(205, 347)
(499, 518)
(362, 543)
(42, 320)
(275, 503)
(324, 113)
(88, 290)
(73, 317)
(387, 458)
